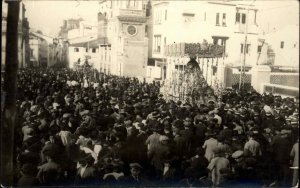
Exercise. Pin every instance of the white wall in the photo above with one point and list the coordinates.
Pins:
(289, 54)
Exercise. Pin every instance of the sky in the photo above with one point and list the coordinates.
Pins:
(48, 16)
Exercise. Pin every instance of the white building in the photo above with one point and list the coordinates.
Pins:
(285, 43)
(219, 22)
(83, 44)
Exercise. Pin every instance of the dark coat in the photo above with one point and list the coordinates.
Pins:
(28, 181)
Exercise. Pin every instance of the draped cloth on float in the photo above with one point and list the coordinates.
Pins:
(196, 88)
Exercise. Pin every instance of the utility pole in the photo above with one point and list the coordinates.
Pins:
(10, 89)
(242, 71)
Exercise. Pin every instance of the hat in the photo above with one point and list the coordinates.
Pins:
(285, 132)
(211, 101)
(95, 104)
(268, 113)
(66, 115)
(163, 138)
(85, 112)
(113, 101)
(210, 133)
(122, 111)
(155, 114)
(237, 154)
(242, 112)
(135, 166)
(256, 113)
(188, 119)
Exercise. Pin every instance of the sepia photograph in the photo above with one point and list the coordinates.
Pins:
(149, 93)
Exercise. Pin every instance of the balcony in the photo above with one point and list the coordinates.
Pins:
(241, 28)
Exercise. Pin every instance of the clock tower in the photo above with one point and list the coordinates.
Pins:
(125, 30)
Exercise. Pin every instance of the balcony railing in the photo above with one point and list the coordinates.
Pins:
(241, 28)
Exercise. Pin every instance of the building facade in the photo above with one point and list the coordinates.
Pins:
(285, 43)
(38, 51)
(122, 36)
(82, 44)
(23, 36)
(217, 22)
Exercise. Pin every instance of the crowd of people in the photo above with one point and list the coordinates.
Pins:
(121, 131)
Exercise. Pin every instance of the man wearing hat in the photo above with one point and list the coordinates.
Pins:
(159, 154)
(135, 174)
(210, 144)
(252, 148)
(154, 115)
(86, 173)
(153, 140)
(281, 147)
(218, 167)
(28, 179)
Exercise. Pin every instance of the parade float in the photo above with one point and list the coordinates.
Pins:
(189, 84)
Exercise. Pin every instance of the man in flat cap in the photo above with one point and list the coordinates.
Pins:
(135, 175)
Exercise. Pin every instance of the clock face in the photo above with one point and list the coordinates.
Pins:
(131, 30)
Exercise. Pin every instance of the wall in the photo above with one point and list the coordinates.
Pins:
(289, 54)
(34, 55)
(135, 59)
(21, 57)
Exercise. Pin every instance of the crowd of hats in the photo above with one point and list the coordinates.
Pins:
(106, 124)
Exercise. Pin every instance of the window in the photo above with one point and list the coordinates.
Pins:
(166, 14)
(216, 41)
(165, 40)
(157, 39)
(217, 19)
(248, 49)
(31, 52)
(151, 62)
(157, 19)
(237, 17)
(76, 49)
(259, 49)
(242, 48)
(281, 44)
(243, 18)
(224, 19)
(204, 16)
(86, 49)
(94, 50)
(146, 30)
(128, 3)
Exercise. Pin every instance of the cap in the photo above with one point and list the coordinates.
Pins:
(66, 115)
(237, 154)
(163, 138)
(135, 165)
(85, 112)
